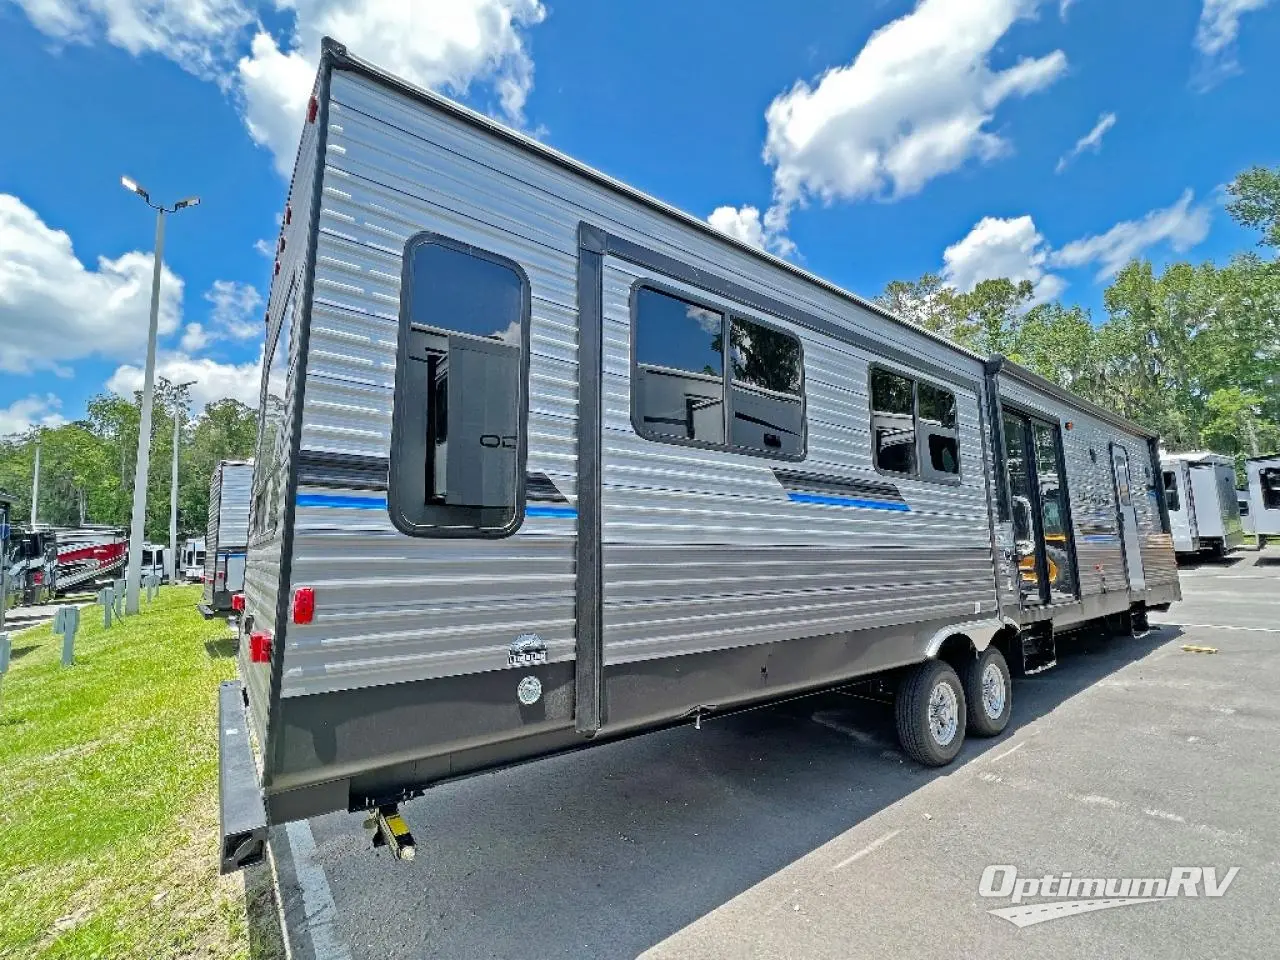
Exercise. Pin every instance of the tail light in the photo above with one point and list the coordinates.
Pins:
(304, 605)
(237, 603)
(38, 578)
(259, 647)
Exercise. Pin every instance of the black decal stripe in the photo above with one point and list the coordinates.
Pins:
(538, 486)
(354, 471)
(350, 471)
(798, 481)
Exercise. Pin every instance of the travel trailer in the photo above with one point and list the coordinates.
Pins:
(192, 557)
(1200, 493)
(543, 462)
(1246, 519)
(153, 560)
(1264, 497)
(227, 535)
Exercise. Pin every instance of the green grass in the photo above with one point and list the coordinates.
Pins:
(109, 797)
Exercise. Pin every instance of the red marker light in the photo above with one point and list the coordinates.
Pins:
(312, 106)
(259, 647)
(304, 605)
(237, 603)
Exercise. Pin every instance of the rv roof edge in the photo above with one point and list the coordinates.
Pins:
(341, 58)
(1001, 364)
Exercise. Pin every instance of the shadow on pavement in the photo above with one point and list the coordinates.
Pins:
(609, 851)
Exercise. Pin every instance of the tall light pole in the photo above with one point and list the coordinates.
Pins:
(133, 576)
(173, 486)
(35, 485)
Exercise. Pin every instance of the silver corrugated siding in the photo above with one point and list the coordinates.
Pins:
(275, 433)
(394, 608)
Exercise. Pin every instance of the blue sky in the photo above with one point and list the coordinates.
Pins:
(867, 141)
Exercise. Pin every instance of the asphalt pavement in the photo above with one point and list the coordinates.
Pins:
(800, 831)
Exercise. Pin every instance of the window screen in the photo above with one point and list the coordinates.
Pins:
(457, 434)
(684, 391)
(915, 431)
(1171, 498)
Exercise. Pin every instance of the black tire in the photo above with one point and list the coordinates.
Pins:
(912, 711)
(981, 723)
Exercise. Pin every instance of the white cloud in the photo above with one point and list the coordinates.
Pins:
(446, 44)
(235, 308)
(196, 34)
(21, 415)
(916, 102)
(741, 224)
(1090, 141)
(213, 380)
(1181, 225)
(276, 87)
(53, 309)
(1012, 248)
(1063, 7)
(194, 338)
(744, 223)
(265, 248)
(1219, 24)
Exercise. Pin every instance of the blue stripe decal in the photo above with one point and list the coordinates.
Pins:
(379, 503)
(531, 511)
(1100, 538)
(848, 502)
(346, 503)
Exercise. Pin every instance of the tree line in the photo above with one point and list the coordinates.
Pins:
(1191, 351)
(87, 466)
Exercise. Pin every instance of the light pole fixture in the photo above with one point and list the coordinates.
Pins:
(173, 486)
(137, 530)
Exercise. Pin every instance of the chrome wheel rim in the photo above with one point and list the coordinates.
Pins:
(993, 691)
(944, 713)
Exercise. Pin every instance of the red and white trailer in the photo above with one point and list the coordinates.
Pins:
(88, 554)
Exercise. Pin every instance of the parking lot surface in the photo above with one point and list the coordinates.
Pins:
(800, 831)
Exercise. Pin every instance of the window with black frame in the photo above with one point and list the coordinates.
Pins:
(1172, 501)
(682, 389)
(458, 445)
(915, 431)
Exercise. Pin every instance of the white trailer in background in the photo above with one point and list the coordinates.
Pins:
(191, 561)
(1204, 513)
(1264, 496)
(227, 538)
(543, 462)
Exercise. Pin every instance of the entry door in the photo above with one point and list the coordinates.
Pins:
(1129, 534)
(1041, 510)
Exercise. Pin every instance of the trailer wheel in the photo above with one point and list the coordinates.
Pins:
(930, 712)
(988, 692)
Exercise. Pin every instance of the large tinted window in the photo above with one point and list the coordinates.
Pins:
(456, 291)
(768, 412)
(1269, 479)
(683, 389)
(457, 450)
(893, 421)
(914, 427)
(937, 416)
(680, 368)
